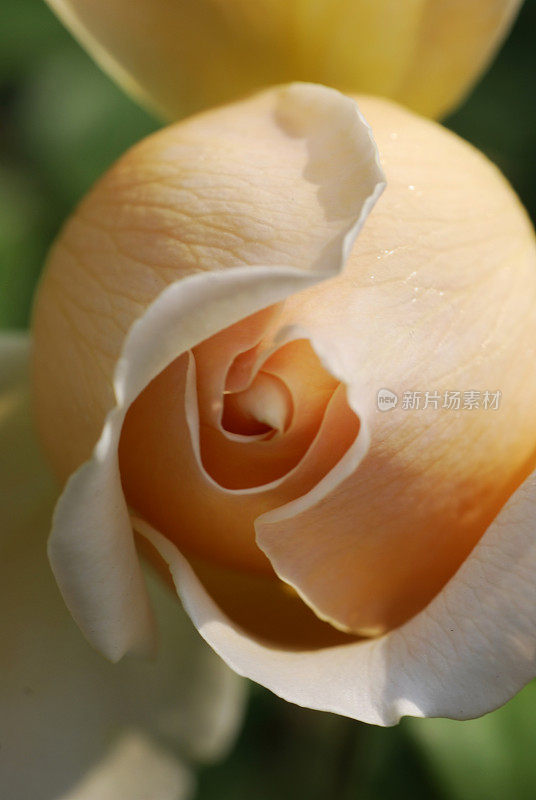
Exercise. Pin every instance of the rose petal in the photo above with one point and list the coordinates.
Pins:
(160, 453)
(320, 151)
(63, 708)
(293, 377)
(246, 185)
(438, 294)
(186, 55)
(438, 254)
(467, 653)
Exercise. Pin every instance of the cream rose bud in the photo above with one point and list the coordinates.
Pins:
(209, 345)
(183, 55)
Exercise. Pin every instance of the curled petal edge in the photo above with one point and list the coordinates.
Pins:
(121, 719)
(468, 652)
(91, 547)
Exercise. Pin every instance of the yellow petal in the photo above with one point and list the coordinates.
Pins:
(185, 55)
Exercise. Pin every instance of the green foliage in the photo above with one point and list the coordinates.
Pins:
(64, 123)
(285, 752)
(483, 759)
(500, 115)
(289, 753)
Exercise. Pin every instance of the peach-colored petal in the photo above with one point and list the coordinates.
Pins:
(242, 186)
(438, 293)
(287, 383)
(323, 153)
(467, 653)
(165, 480)
(448, 303)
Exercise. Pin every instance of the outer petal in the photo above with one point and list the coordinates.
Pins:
(467, 653)
(64, 711)
(184, 55)
(439, 294)
(309, 148)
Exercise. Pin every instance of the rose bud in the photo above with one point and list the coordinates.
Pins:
(185, 55)
(214, 331)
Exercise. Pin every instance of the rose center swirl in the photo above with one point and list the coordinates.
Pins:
(238, 426)
(255, 435)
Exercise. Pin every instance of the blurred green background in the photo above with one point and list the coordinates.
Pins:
(63, 123)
